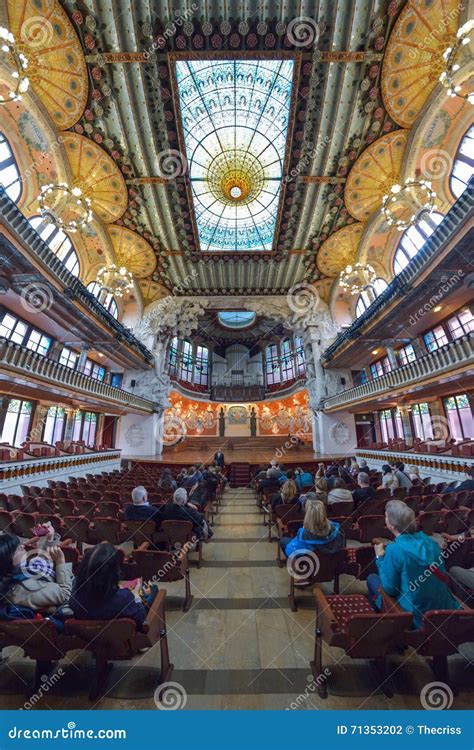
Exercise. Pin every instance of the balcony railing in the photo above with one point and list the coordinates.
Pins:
(20, 360)
(455, 217)
(450, 357)
(74, 289)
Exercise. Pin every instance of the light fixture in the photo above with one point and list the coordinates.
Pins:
(437, 308)
(115, 279)
(375, 351)
(355, 278)
(452, 64)
(413, 197)
(73, 201)
(9, 47)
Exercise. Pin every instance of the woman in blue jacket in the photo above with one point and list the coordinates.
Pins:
(318, 533)
(411, 569)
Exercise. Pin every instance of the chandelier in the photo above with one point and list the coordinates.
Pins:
(404, 203)
(70, 200)
(355, 278)
(452, 64)
(115, 279)
(20, 61)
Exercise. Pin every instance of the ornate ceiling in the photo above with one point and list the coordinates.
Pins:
(104, 75)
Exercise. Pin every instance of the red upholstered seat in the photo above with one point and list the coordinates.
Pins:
(348, 606)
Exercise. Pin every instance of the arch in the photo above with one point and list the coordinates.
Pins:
(463, 164)
(58, 242)
(105, 298)
(413, 239)
(10, 176)
(368, 295)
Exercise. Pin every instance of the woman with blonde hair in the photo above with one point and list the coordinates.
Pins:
(321, 486)
(318, 533)
(288, 492)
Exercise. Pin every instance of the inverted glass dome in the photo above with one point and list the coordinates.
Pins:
(236, 318)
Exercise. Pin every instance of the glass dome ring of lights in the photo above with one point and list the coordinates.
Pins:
(236, 177)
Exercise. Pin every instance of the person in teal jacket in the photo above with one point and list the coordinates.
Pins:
(411, 569)
(317, 533)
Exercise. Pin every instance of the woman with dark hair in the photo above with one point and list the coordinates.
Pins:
(389, 479)
(97, 594)
(38, 580)
(166, 481)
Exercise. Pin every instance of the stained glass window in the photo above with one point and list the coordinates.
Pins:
(459, 415)
(463, 168)
(236, 318)
(9, 173)
(58, 242)
(235, 122)
(413, 239)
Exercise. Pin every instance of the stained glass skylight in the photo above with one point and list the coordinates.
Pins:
(235, 121)
(236, 318)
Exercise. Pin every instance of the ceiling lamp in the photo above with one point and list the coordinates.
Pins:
(70, 200)
(404, 203)
(20, 63)
(355, 278)
(115, 279)
(452, 66)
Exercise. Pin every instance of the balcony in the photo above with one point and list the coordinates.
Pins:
(237, 393)
(18, 360)
(454, 356)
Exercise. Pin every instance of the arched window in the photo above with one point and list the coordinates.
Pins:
(58, 242)
(463, 168)
(201, 365)
(105, 298)
(9, 172)
(413, 239)
(287, 360)
(300, 356)
(272, 364)
(368, 295)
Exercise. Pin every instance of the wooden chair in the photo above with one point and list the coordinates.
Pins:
(291, 530)
(155, 567)
(23, 524)
(371, 527)
(285, 514)
(179, 534)
(5, 521)
(455, 522)
(431, 522)
(317, 566)
(17, 502)
(85, 508)
(339, 509)
(65, 506)
(118, 640)
(105, 529)
(350, 623)
(107, 508)
(46, 505)
(140, 532)
(77, 529)
(442, 632)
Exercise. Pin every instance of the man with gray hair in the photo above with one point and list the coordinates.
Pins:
(180, 510)
(140, 510)
(411, 568)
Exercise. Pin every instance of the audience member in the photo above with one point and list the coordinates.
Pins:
(304, 479)
(180, 510)
(97, 594)
(364, 491)
(411, 568)
(41, 582)
(140, 509)
(339, 492)
(318, 533)
(389, 479)
(403, 478)
(288, 492)
(414, 473)
(166, 481)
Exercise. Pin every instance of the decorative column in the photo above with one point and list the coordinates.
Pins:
(392, 357)
(81, 362)
(418, 347)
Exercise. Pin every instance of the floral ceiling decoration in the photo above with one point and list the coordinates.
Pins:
(414, 58)
(56, 66)
(339, 249)
(132, 251)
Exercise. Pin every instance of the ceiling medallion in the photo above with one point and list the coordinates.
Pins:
(403, 205)
(355, 278)
(451, 56)
(59, 198)
(115, 279)
(235, 177)
(11, 54)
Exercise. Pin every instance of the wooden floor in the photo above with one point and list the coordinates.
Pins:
(253, 456)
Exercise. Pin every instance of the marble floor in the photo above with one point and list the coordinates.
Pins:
(239, 646)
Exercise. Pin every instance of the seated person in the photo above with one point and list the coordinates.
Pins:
(41, 583)
(345, 473)
(411, 568)
(317, 533)
(204, 492)
(466, 484)
(97, 594)
(166, 483)
(363, 492)
(140, 510)
(321, 487)
(304, 479)
(275, 471)
(180, 510)
(288, 492)
(414, 473)
(339, 493)
(363, 466)
(354, 470)
(193, 477)
(389, 479)
(403, 478)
